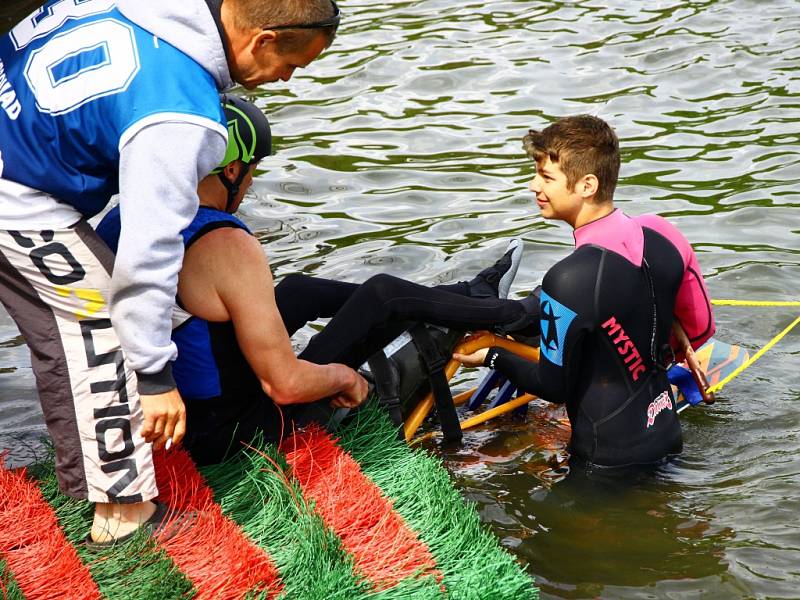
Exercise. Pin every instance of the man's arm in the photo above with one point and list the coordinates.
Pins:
(226, 277)
(159, 170)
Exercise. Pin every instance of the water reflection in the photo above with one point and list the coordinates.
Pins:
(582, 533)
(619, 531)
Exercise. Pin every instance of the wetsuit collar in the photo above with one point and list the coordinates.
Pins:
(616, 232)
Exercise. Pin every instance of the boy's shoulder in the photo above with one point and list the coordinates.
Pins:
(659, 224)
(670, 232)
(575, 275)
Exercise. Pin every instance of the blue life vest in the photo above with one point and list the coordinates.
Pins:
(77, 80)
(210, 363)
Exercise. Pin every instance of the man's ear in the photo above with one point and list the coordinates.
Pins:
(251, 41)
(231, 170)
(264, 38)
(588, 185)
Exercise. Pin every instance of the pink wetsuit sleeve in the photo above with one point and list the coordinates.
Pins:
(692, 305)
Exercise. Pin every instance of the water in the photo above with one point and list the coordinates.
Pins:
(399, 151)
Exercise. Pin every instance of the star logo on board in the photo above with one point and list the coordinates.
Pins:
(551, 331)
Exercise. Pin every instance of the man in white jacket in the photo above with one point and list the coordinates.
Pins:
(99, 97)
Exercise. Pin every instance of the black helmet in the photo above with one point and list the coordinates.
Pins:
(249, 140)
(249, 135)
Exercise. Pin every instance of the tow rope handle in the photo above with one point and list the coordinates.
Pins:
(691, 362)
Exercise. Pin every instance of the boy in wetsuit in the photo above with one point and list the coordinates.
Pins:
(606, 311)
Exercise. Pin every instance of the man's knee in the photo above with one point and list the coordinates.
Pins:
(294, 284)
(382, 287)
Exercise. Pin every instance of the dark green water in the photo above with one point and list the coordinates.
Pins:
(399, 151)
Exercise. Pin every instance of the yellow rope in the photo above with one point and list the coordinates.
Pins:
(755, 302)
(718, 386)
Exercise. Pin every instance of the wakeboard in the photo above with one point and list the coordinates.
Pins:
(717, 359)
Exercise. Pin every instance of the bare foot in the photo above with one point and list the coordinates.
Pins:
(113, 521)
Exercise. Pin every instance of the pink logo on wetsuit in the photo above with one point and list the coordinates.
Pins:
(625, 347)
(662, 402)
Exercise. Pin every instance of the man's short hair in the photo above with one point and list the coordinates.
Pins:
(581, 145)
(263, 14)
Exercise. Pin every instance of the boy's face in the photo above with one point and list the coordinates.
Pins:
(555, 199)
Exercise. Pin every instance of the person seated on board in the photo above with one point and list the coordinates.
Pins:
(236, 369)
(606, 311)
(232, 346)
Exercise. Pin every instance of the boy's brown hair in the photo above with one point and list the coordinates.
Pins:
(581, 145)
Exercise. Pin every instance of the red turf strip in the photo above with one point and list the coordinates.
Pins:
(44, 564)
(219, 560)
(385, 549)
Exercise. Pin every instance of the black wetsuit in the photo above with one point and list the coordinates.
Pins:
(378, 310)
(606, 313)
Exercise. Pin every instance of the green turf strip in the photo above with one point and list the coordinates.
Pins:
(137, 570)
(311, 561)
(473, 564)
(9, 590)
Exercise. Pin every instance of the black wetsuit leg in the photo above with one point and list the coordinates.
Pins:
(302, 298)
(216, 428)
(382, 307)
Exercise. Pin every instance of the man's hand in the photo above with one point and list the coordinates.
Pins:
(472, 360)
(164, 418)
(353, 395)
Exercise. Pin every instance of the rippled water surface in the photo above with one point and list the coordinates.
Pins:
(399, 151)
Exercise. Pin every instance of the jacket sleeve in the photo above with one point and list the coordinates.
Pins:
(159, 171)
